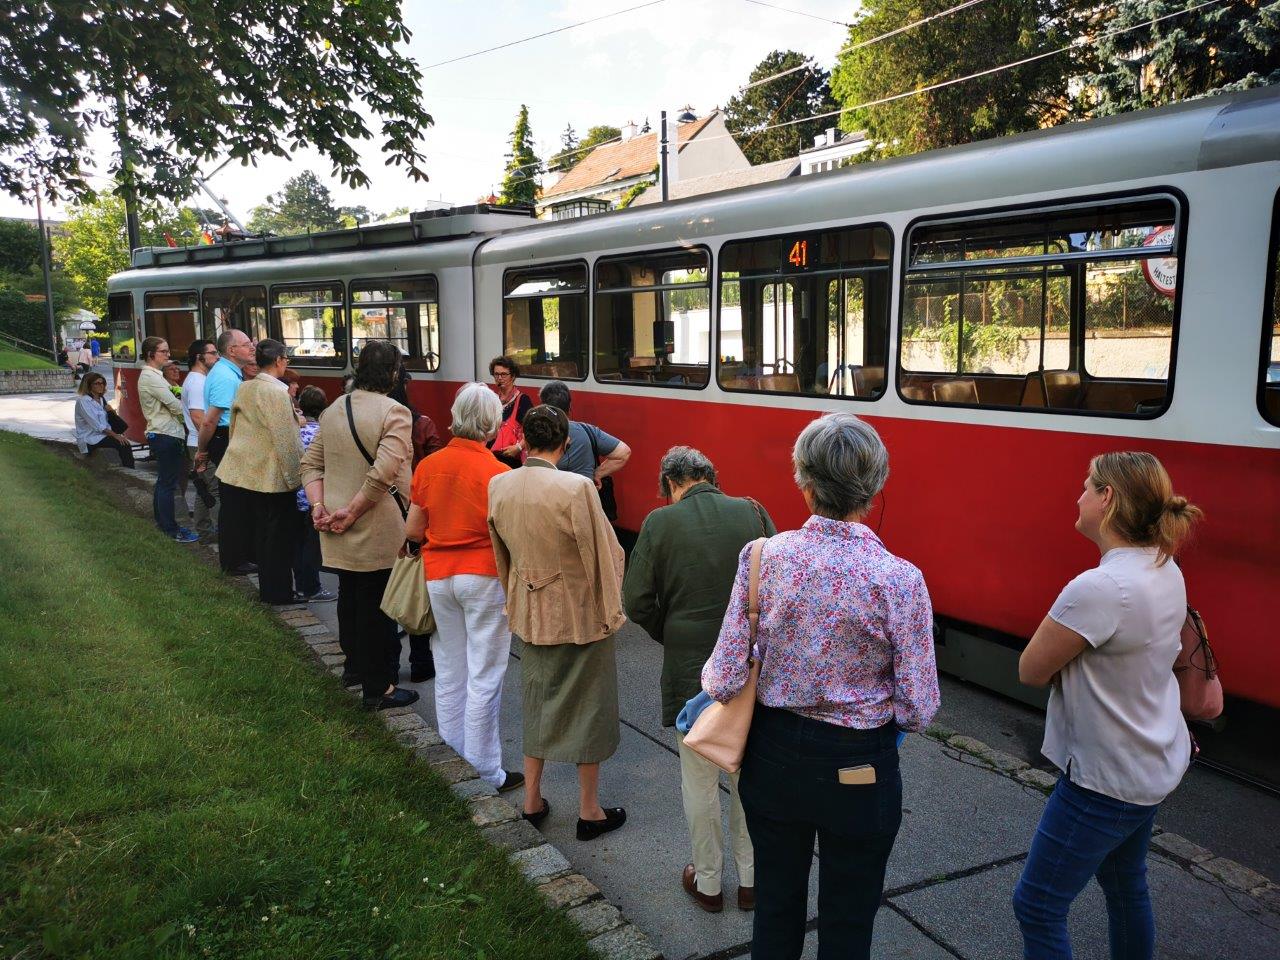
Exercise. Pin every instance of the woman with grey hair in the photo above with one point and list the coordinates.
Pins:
(845, 634)
(677, 588)
(449, 518)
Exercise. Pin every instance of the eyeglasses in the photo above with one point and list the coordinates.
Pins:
(502, 376)
(164, 350)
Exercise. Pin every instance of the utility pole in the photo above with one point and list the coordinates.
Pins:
(126, 178)
(48, 283)
(662, 154)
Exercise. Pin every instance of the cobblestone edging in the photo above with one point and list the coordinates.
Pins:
(1195, 859)
(608, 932)
(35, 381)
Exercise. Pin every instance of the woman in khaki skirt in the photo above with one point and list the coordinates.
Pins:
(562, 568)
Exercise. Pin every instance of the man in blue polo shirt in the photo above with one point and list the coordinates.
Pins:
(235, 351)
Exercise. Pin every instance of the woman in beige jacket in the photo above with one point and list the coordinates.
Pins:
(561, 565)
(259, 473)
(356, 472)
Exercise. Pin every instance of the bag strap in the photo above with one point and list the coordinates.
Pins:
(1208, 662)
(753, 593)
(764, 528)
(364, 452)
(595, 449)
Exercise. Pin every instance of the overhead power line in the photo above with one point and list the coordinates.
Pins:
(799, 13)
(546, 33)
(868, 42)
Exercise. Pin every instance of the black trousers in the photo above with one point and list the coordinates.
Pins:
(111, 443)
(306, 555)
(236, 538)
(268, 523)
(366, 634)
(790, 794)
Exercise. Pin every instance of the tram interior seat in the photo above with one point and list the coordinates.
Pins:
(914, 389)
(868, 381)
(957, 390)
(555, 369)
(1063, 389)
(780, 382)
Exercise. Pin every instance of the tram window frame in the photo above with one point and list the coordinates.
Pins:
(210, 323)
(615, 377)
(177, 348)
(1047, 215)
(512, 278)
(1270, 389)
(416, 357)
(119, 315)
(788, 271)
(276, 325)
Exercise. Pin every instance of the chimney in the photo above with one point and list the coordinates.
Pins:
(831, 136)
(820, 140)
(629, 130)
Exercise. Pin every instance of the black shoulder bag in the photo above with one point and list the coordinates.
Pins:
(393, 489)
(607, 499)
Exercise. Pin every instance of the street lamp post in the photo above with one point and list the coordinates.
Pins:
(48, 284)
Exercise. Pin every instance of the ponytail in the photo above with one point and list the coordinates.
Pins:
(1144, 510)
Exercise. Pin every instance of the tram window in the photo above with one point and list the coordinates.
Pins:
(544, 320)
(173, 317)
(235, 308)
(1068, 309)
(1269, 381)
(124, 336)
(806, 313)
(311, 322)
(653, 319)
(404, 310)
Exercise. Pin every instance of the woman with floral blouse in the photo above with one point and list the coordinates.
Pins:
(846, 638)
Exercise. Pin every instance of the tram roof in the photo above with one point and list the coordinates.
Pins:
(1207, 133)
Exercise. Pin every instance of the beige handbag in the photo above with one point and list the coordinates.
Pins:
(720, 732)
(405, 600)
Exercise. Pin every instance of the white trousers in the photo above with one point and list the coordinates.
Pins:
(471, 645)
(700, 788)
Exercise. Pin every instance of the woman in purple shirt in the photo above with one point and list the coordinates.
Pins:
(846, 635)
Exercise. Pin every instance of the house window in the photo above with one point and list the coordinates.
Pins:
(653, 318)
(578, 208)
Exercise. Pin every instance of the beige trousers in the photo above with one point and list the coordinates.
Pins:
(700, 788)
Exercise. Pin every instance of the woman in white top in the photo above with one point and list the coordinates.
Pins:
(1113, 724)
(93, 429)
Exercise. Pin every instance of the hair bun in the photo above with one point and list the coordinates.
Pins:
(1176, 505)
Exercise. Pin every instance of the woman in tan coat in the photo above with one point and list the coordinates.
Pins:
(356, 472)
(561, 565)
(259, 472)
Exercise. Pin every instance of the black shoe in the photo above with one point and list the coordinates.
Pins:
(396, 698)
(514, 779)
(244, 569)
(614, 817)
(290, 601)
(350, 679)
(421, 674)
(537, 818)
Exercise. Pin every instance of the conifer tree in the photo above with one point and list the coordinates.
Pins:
(520, 183)
(568, 154)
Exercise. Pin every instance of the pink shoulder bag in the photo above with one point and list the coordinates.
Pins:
(720, 732)
(1196, 668)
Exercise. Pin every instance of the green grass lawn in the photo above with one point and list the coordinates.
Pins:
(14, 359)
(178, 780)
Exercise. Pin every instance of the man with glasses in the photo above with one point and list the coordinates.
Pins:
(201, 356)
(166, 435)
(235, 351)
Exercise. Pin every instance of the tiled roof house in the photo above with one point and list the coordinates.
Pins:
(601, 178)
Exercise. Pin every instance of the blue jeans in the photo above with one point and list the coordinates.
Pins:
(169, 453)
(1084, 834)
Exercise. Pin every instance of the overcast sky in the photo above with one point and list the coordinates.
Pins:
(627, 67)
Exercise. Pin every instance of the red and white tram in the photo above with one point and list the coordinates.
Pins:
(1001, 312)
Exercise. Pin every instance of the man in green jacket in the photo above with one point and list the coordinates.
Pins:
(677, 587)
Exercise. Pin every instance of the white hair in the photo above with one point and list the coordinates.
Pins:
(842, 462)
(477, 412)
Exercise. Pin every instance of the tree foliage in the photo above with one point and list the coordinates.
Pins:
(568, 154)
(520, 184)
(95, 246)
(303, 205)
(993, 33)
(178, 84)
(19, 246)
(1226, 47)
(794, 96)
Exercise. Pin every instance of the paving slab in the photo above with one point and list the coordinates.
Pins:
(894, 938)
(1195, 919)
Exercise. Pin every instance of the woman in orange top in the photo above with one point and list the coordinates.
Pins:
(472, 640)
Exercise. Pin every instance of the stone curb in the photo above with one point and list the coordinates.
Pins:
(609, 934)
(1192, 858)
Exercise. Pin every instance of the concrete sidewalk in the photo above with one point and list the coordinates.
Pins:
(966, 829)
